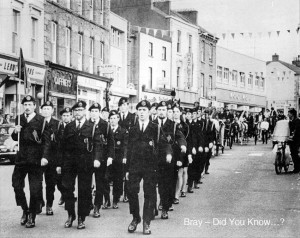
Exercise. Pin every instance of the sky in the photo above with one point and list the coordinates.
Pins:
(267, 26)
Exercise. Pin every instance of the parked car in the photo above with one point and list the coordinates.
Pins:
(8, 147)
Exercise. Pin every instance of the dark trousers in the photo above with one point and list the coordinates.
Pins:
(35, 178)
(207, 160)
(165, 185)
(149, 177)
(84, 189)
(264, 135)
(295, 157)
(59, 185)
(117, 178)
(193, 170)
(50, 181)
(102, 185)
(203, 160)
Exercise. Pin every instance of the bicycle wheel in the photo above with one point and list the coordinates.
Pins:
(255, 139)
(278, 165)
(286, 163)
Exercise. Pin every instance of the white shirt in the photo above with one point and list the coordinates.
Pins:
(82, 121)
(114, 128)
(159, 121)
(177, 121)
(264, 125)
(124, 114)
(48, 119)
(30, 116)
(153, 117)
(145, 124)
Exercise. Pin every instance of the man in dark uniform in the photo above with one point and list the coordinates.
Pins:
(66, 117)
(294, 139)
(50, 170)
(105, 114)
(153, 112)
(145, 140)
(34, 145)
(80, 156)
(127, 120)
(234, 131)
(104, 138)
(121, 142)
(167, 162)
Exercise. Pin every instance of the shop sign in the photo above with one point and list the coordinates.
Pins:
(239, 97)
(107, 69)
(152, 97)
(62, 81)
(91, 83)
(33, 72)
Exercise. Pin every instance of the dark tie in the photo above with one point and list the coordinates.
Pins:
(78, 126)
(123, 116)
(162, 122)
(143, 127)
(206, 124)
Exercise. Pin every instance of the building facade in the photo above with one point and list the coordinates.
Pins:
(21, 26)
(76, 44)
(285, 81)
(241, 83)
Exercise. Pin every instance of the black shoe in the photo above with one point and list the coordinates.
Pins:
(176, 201)
(171, 208)
(295, 171)
(24, 218)
(206, 172)
(70, 220)
(164, 215)
(61, 201)
(106, 205)
(81, 224)
(190, 190)
(96, 211)
(146, 228)
(133, 224)
(40, 209)
(115, 205)
(49, 211)
(196, 186)
(30, 221)
(183, 195)
(125, 199)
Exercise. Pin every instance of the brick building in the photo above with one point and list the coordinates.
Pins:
(77, 37)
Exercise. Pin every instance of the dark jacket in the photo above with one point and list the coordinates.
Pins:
(129, 121)
(210, 132)
(79, 147)
(53, 128)
(34, 144)
(295, 131)
(197, 130)
(121, 143)
(143, 148)
(104, 140)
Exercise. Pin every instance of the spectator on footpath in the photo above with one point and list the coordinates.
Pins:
(294, 138)
(264, 126)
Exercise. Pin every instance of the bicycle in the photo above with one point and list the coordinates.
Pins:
(281, 160)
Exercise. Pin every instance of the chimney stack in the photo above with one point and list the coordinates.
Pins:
(296, 61)
(275, 57)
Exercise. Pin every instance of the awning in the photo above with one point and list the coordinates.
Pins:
(232, 106)
(243, 108)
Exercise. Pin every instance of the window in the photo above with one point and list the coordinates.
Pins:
(210, 57)
(234, 78)
(91, 55)
(242, 79)
(102, 51)
(68, 47)
(115, 37)
(80, 44)
(190, 43)
(219, 74)
(91, 10)
(164, 53)
(178, 76)
(68, 4)
(202, 86)
(150, 52)
(53, 40)
(203, 51)
(149, 83)
(16, 31)
(34, 24)
(262, 83)
(101, 12)
(163, 74)
(256, 81)
(250, 80)
(178, 41)
(226, 76)
(210, 83)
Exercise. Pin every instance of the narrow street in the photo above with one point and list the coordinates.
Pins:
(241, 197)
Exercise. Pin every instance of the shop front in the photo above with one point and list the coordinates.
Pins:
(8, 92)
(61, 87)
(240, 101)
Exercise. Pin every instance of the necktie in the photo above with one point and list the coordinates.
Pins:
(123, 116)
(27, 117)
(143, 127)
(206, 124)
(162, 122)
(78, 126)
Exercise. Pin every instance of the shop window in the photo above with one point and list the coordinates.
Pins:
(34, 25)
(219, 74)
(16, 31)
(226, 76)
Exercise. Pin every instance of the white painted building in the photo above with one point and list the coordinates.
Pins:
(21, 26)
(240, 80)
(284, 89)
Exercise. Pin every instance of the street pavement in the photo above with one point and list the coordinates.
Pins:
(241, 197)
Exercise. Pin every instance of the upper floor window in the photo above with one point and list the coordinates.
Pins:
(242, 79)
(219, 74)
(16, 31)
(34, 26)
(91, 68)
(202, 85)
(203, 51)
(91, 10)
(115, 37)
(234, 78)
(226, 76)
(80, 55)
(190, 43)
(101, 12)
(178, 41)
(256, 81)
(178, 76)
(164, 53)
(80, 8)
(250, 80)
(53, 41)
(210, 57)
(150, 50)
(210, 82)
(102, 51)
(68, 47)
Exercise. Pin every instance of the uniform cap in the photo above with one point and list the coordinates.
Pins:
(28, 98)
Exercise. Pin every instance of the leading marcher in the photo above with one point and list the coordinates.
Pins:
(144, 141)
(33, 154)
